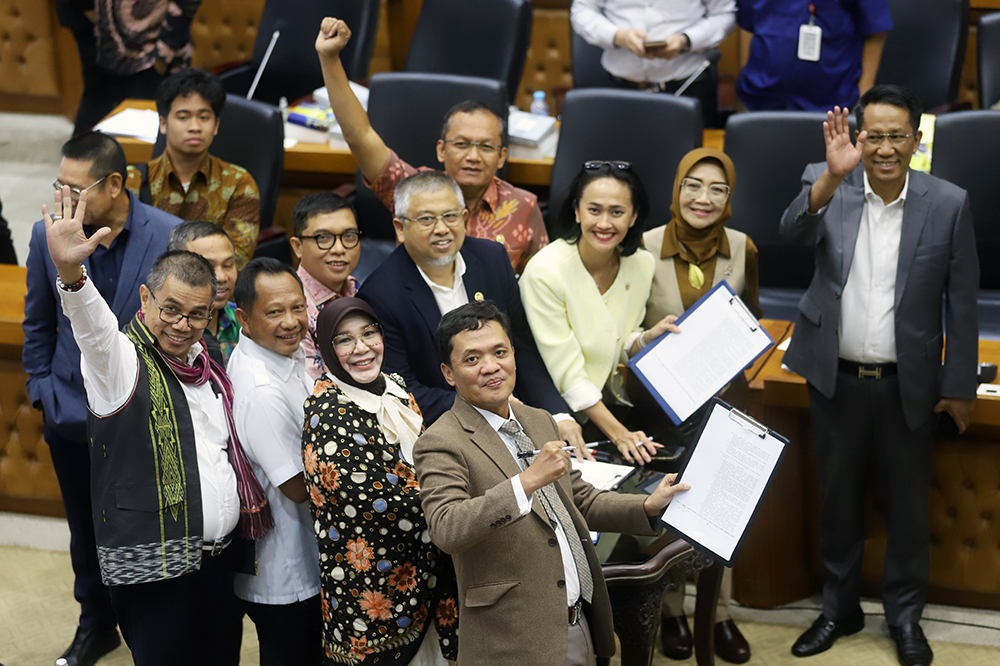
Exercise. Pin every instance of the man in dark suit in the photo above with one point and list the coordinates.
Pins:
(894, 249)
(518, 528)
(96, 163)
(436, 269)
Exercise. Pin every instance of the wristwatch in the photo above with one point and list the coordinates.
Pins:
(687, 43)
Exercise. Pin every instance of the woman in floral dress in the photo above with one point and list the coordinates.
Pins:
(385, 586)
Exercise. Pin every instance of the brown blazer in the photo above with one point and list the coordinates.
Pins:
(512, 596)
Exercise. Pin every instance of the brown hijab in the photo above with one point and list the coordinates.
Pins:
(699, 245)
(327, 322)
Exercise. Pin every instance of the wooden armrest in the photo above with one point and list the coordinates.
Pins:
(651, 570)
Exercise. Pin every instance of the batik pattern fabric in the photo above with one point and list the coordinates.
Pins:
(382, 579)
(132, 34)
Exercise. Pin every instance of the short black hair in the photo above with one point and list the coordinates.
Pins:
(192, 230)
(245, 291)
(319, 203)
(188, 82)
(192, 269)
(566, 224)
(103, 150)
(474, 106)
(893, 96)
(469, 317)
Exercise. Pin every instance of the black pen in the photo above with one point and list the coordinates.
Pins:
(528, 454)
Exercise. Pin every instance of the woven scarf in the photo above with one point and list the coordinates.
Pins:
(255, 514)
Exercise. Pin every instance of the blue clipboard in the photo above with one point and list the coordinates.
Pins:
(751, 322)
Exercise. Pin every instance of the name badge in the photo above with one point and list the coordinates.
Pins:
(810, 38)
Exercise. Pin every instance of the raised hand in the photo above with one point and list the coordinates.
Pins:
(68, 244)
(842, 156)
(332, 38)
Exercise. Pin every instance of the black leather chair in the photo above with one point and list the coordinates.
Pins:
(252, 135)
(770, 150)
(587, 69)
(482, 38)
(293, 70)
(925, 50)
(988, 57)
(652, 132)
(966, 146)
(407, 110)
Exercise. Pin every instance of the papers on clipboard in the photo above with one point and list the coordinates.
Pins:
(719, 338)
(729, 471)
(601, 475)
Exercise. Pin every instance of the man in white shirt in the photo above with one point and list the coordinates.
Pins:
(170, 482)
(270, 385)
(894, 249)
(657, 45)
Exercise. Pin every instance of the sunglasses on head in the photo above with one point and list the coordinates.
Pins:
(593, 165)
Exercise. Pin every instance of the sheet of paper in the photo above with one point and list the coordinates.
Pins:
(139, 123)
(728, 472)
(784, 344)
(605, 476)
(717, 340)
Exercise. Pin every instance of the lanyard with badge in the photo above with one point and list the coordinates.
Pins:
(810, 37)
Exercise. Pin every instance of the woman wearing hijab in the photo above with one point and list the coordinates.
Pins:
(387, 592)
(695, 251)
(585, 298)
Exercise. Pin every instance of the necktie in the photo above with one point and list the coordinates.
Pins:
(555, 510)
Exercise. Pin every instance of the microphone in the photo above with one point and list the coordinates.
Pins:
(263, 63)
(711, 56)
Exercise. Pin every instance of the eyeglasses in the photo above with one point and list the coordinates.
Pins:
(75, 192)
(593, 165)
(876, 139)
(453, 219)
(171, 316)
(463, 146)
(325, 241)
(693, 189)
(345, 344)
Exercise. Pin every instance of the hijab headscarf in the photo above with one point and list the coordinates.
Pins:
(327, 322)
(699, 245)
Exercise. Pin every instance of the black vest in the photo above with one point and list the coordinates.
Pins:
(144, 478)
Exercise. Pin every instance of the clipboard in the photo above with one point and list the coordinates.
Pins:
(743, 315)
(706, 538)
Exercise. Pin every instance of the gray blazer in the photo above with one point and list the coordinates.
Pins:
(938, 271)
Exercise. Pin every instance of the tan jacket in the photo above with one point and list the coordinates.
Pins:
(512, 596)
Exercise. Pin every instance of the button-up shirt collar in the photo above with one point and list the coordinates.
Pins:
(449, 298)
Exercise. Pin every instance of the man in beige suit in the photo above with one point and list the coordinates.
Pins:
(530, 585)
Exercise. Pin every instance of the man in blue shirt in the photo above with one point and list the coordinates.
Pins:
(774, 78)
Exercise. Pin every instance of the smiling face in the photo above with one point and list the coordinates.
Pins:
(605, 214)
(330, 267)
(437, 245)
(364, 363)
(178, 297)
(886, 164)
(278, 319)
(218, 249)
(482, 367)
(702, 211)
(472, 168)
(190, 126)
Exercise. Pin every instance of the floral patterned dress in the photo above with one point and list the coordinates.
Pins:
(382, 578)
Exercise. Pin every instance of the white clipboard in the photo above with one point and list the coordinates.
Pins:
(720, 338)
(730, 469)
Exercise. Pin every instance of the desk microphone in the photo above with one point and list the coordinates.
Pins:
(263, 64)
(711, 55)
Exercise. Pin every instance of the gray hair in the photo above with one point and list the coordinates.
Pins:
(423, 182)
(192, 269)
(192, 230)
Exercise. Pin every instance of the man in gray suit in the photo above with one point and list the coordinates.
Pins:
(894, 248)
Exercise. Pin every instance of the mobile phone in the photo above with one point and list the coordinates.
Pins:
(659, 44)
(669, 453)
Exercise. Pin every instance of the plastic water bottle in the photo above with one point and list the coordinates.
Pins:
(539, 106)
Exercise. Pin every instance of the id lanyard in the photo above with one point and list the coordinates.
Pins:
(810, 38)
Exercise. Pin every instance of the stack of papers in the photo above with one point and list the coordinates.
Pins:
(604, 476)
(141, 124)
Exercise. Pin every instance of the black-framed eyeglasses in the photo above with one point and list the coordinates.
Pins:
(593, 165)
(345, 344)
(876, 138)
(324, 241)
(692, 188)
(76, 191)
(453, 219)
(463, 146)
(171, 316)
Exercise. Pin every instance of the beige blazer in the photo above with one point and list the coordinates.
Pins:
(512, 596)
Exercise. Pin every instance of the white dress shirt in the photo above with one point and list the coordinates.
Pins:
(524, 505)
(449, 298)
(268, 395)
(705, 22)
(109, 364)
(868, 304)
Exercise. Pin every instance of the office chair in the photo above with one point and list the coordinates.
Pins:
(588, 72)
(988, 60)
